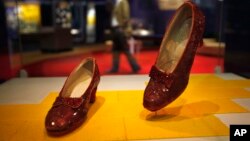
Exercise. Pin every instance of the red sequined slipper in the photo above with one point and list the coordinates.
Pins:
(71, 106)
(169, 75)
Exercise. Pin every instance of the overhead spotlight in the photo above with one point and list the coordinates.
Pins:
(74, 31)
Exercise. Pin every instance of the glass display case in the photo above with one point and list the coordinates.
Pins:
(54, 26)
(63, 16)
(10, 50)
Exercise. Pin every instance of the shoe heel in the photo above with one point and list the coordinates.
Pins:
(93, 95)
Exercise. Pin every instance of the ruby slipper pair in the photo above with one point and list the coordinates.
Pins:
(169, 75)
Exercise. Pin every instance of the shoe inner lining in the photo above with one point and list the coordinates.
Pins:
(78, 88)
(79, 81)
(175, 41)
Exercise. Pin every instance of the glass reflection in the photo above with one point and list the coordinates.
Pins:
(10, 54)
(35, 31)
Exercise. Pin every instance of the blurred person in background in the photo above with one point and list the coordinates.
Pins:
(121, 30)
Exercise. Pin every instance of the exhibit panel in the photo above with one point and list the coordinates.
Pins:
(29, 17)
(44, 26)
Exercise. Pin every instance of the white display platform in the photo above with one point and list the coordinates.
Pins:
(34, 90)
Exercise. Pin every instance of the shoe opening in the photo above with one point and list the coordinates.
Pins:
(175, 39)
